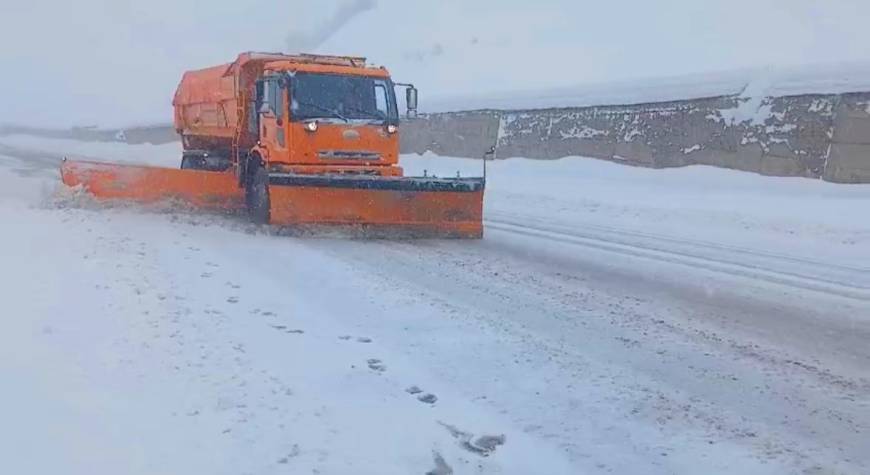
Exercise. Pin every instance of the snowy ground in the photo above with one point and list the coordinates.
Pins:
(613, 320)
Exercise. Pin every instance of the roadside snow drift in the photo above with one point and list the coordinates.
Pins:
(833, 78)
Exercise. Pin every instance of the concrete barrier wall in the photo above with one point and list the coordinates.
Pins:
(814, 136)
(817, 136)
(849, 157)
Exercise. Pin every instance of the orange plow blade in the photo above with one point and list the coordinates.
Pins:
(380, 206)
(377, 206)
(109, 181)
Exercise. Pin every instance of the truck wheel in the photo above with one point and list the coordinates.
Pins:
(257, 195)
(192, 162)
(206, 161)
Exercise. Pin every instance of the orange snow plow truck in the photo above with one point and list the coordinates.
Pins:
(297, 140)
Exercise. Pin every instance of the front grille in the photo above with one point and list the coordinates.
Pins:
(349, 155)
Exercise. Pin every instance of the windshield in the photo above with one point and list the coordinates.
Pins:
(342, 97)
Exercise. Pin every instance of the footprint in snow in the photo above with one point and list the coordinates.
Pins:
(294, 452)
(427, 398)
(233, 300)
(377, 365)
(484, 445)
(360, 339)
(284, 329)
(441, 467)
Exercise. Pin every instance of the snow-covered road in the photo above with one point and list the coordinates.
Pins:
(613, 320)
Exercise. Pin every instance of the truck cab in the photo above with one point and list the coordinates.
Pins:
(314, 118)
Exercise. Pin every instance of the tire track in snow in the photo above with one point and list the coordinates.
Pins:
(708, 256)
(614, 232)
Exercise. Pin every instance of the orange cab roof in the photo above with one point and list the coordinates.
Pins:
(305, 62)
(326, 68)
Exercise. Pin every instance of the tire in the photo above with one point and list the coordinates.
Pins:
(192, 162)
(257, 195)
(206, 161)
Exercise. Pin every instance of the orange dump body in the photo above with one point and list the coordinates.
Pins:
(206, 103)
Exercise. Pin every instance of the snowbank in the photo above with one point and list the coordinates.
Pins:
(813, 79)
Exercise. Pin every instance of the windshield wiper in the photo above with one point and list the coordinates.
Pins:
(325, 109)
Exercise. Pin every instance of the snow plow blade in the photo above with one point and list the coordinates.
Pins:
(143, 184)
(380, 206)
(371, 206)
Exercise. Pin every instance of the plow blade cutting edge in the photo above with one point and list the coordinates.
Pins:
(377, 206)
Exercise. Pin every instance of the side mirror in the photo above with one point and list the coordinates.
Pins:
(411, 100)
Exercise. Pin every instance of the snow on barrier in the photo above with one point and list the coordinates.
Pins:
(774, 125)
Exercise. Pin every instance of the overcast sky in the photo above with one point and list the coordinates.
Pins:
(117, 62)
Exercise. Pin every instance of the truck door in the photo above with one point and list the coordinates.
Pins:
(273, 119)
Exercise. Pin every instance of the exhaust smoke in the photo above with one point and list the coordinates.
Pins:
(308, 41)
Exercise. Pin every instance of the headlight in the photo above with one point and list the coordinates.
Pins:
(392, 129)
(311, 126)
